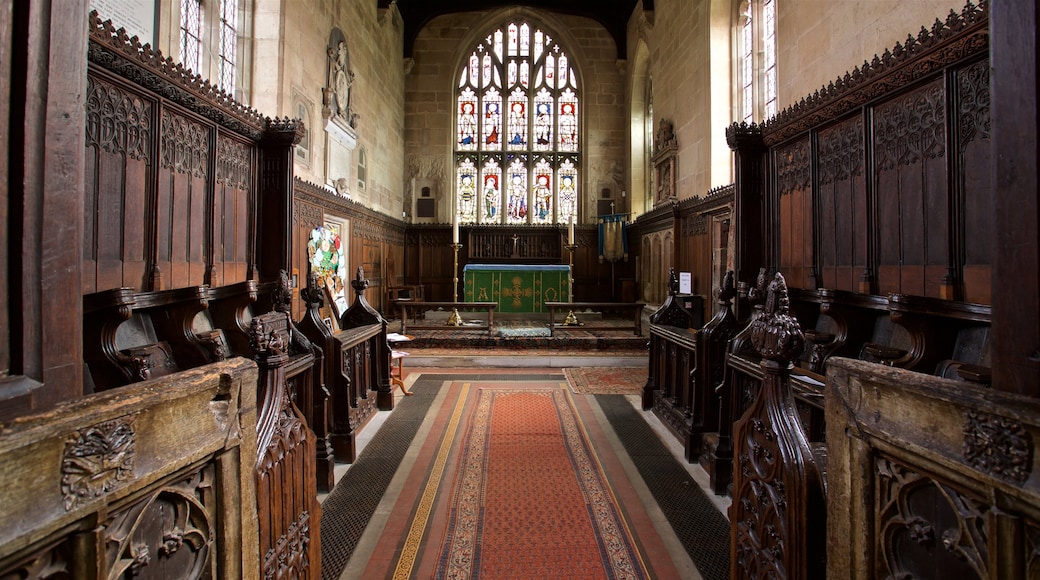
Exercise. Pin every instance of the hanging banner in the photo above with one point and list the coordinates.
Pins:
(613, 240)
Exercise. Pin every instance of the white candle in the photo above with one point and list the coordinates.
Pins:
(570, 232)
(455, 229)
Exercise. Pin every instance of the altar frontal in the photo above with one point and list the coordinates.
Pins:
(517, 287)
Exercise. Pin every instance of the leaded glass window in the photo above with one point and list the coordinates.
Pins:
(228, 44)
(191, 35)
(517, 130)
(757, 33)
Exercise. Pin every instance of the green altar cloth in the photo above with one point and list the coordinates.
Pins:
(517, 288)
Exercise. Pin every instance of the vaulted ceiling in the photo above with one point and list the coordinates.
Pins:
(612, 14)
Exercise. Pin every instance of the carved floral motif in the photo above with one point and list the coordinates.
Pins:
(999, 446)
(973, 109)
(117, 121)
(911, 128)
(185, 146)
(792, 168)
(97, 459)
(841, 151)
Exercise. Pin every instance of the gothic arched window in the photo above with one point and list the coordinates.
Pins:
(517, 147)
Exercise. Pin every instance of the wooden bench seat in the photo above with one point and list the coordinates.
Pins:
(407, 306)
(633, 309)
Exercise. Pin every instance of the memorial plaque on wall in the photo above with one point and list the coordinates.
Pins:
(136, 16)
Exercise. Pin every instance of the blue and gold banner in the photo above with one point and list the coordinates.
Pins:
(613, 240)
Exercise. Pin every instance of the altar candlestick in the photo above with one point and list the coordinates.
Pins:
(455, 229)
(570, 232)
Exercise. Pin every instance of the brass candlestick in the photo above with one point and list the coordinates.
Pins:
(455, 319)
(571, 319)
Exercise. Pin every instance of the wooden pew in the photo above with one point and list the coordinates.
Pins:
(633, 309)
(685, 366)
(413, 307)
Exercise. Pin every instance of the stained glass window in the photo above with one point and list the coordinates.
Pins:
(769, 51)
(517, 129)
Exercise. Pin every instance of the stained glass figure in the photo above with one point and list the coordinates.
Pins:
(491, 201)
(542, 193)
(467, 194)
(516, 209)
(517, 96)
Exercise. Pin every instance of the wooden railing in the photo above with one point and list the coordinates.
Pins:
(634, 310)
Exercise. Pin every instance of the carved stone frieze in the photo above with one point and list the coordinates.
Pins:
(792, 168)
(185, 146)
(841, 151)
(117, 121)
(96, 460)
(973, 107)
(911, 128)
(999, 446)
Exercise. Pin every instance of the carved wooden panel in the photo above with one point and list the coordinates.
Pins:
(232, 212)
(843, 205)
(975, 174)
(912, 198)
(184, 168)
(119, 140)
(795, 207)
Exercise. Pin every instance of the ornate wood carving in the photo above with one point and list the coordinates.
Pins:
(999, 446)
(97, 460)
(671, 313)
(927, 525)
(117, 121)
(960, 36)
(233, 163)
(114, 50)
(841, 151)
(792, 168)
(911, 128)
(778, 502)
(185, 146)
(169, 532)
(973, 107)
(307, 215)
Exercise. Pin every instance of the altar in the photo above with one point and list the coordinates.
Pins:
(517, 287)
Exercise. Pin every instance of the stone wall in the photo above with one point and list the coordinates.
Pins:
(429, 96)
(291, 67)
(819, 41)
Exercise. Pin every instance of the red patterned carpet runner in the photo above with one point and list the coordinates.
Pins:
(530, 499)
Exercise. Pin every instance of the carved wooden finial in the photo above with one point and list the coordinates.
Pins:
(776, 334)
(360, 283)
(727, 291)
(312, 294)
(282, 298)
(673, 282)
(264, 342)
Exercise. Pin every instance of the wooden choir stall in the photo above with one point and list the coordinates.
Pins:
(198, 420)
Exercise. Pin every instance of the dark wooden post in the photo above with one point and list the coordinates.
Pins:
(273, 235)
(778, 515)
(320, 336)
(43, 78)
(1016, 313)
(361, 313)
(750, 211)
